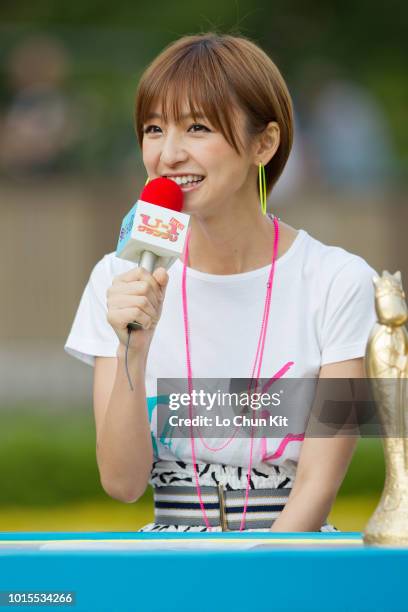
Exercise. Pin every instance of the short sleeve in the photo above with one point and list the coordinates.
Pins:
(91, 334)
(349, 312)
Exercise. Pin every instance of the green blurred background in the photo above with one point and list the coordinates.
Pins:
(70, 169)
(50, 479)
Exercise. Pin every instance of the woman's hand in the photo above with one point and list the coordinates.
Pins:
(137, 296)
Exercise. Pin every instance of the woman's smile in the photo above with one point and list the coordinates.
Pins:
(191, 186)
(187, 182)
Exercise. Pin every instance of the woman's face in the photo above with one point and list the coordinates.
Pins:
(195, 155)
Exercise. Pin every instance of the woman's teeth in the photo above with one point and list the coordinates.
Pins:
(188, 178)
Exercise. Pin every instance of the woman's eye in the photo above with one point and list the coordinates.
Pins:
(151, 129)
(155, 129)
(199, 126)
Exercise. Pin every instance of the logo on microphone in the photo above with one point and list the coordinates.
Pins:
(159, 229)
(127, 225)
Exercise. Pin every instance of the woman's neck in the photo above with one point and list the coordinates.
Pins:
(225, 244)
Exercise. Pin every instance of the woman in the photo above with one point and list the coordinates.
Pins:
(253, 297)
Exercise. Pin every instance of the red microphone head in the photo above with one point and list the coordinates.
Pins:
(163, 192)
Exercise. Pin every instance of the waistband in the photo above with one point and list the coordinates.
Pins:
(180, 505)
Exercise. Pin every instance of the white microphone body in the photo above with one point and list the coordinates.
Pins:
(152, 236)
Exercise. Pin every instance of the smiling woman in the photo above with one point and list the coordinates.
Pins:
(252, 298)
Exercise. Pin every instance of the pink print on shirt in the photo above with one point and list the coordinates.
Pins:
(290, 437)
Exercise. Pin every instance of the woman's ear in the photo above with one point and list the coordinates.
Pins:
(267, 143)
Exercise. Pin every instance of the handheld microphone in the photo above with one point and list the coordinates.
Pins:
(154, 231)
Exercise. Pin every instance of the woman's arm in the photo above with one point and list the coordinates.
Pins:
(123, 442)
(323, 463)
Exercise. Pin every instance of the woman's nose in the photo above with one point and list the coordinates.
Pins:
(172, 149)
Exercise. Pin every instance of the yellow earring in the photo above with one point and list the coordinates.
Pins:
(262, 187)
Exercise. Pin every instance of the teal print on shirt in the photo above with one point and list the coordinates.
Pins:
(165, 437)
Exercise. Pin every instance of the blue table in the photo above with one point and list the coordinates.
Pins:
(316, 572)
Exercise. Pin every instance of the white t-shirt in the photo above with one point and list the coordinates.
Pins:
(322, 311)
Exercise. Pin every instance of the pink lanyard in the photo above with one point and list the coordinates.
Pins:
(259, 355)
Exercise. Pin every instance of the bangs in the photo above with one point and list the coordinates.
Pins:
(193, 81)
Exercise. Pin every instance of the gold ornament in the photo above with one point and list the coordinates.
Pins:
(386, 364)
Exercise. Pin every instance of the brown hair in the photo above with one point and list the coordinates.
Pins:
(215, 73)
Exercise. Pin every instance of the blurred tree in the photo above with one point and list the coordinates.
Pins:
(110, 45)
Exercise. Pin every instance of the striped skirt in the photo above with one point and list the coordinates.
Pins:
(168, 474)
